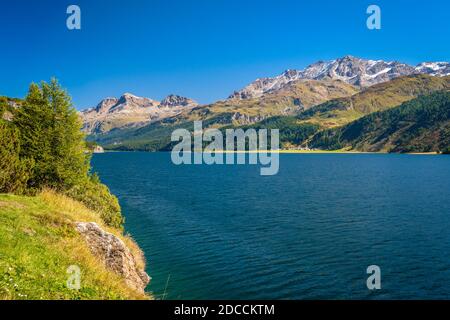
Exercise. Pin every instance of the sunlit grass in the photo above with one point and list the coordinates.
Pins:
(38, 242)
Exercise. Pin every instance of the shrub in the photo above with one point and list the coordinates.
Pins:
(96, 196)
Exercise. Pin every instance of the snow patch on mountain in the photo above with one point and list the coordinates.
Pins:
(353, 70)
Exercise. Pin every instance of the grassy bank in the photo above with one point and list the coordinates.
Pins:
(38, 242)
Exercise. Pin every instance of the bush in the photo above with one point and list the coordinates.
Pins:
(96, 196)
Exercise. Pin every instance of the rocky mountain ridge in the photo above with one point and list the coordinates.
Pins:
(289, 93)
(131, 110)
(352, 70)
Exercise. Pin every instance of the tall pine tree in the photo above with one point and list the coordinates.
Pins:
(51, 140)
(14, 171)
(50, 133)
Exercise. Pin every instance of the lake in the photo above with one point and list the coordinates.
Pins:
(309, 232)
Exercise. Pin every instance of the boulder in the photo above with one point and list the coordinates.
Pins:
(114, 253)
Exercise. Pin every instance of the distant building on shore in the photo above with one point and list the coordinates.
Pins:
(98, 149)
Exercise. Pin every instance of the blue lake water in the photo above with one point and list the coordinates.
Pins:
(310, 232)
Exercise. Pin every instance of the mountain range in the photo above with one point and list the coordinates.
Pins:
(352, 70)
(130, 110)
(288, 93)
(324, 96)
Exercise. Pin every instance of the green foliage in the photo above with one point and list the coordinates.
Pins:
(3, 106)
(420, 125)
(329, 139)
(14, 173)
(379, 97)
(96, 196)
(156, 137)
(91, 145)
(51, 136)
(290, 131)
(45, 148)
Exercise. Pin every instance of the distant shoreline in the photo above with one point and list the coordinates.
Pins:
(295, 152)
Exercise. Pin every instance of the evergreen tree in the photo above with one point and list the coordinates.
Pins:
(50, 132)
(3, 106)
(50, 135)
(14, 172)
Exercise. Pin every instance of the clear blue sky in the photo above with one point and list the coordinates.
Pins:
(203, 49)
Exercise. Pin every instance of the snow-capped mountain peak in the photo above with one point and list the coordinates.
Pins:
(434, 68)
(350, 69)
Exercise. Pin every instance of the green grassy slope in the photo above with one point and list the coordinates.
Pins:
(379, 97)
(292, 98)
(38, 242)
(420, 125)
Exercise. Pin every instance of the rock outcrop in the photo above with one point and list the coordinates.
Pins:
(173, 100)
(114, 253)
(131, 111)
